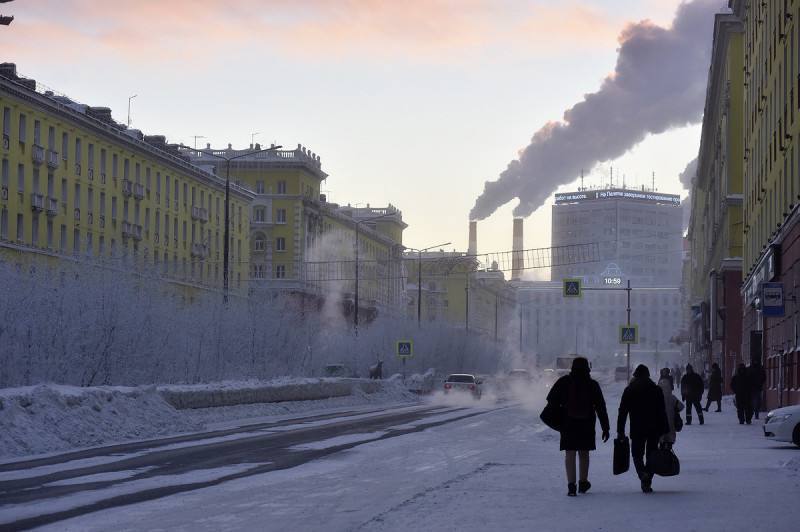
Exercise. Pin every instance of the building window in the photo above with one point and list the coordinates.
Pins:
(258, 271)
(64, 145)
(280, 244)
(259, 243)
(23, 128)
(259, 187)
(6, 121)
(260, 214)
(280, 216)
(21, 178)
(49, 234)
(76, 241)
(281, 187)
(63, 242)
(280, 271)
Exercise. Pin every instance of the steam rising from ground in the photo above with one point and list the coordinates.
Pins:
(659, 83)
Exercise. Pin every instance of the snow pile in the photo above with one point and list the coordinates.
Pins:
(47, 418)
(250, 392)
(387, 393)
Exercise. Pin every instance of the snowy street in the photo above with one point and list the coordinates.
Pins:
(434, 466)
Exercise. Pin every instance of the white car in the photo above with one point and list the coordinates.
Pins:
(783, 424)
(462, 382)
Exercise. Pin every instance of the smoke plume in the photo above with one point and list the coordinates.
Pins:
(659, 83)
(686, 178)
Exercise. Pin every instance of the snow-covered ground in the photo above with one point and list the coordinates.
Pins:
(52, 418)
(497, 470)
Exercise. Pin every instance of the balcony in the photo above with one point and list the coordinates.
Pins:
(199, 250)
(37, 202)
(37, 154)
(52, 206)
(130, 230)
(127, 187)
(52, 159)
(138, 191)
(200, 213)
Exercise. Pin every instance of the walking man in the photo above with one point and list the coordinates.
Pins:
(757, 379)
(644, 401)
(692, 393)
(715, 388)
(740, 384)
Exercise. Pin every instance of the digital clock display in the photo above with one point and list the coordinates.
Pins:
(612, 280)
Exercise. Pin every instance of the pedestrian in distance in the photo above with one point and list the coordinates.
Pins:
(581, 400)
(666, 374)
(673, 408)
(677, 374)
(692, 393)
(714, 388)
(643, 400)
(740, 384)
(757, 379)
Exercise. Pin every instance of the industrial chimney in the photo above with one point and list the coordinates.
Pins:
(473, 239)
(517, 259)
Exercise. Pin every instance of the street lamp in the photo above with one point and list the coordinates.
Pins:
(226, 243)
(355, 296)
(419, 253)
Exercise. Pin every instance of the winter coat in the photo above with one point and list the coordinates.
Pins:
(692, 386)
(740, 384)
(672, 406)
(582, 400)
(757, 378)
(644, 401)
(715, 385)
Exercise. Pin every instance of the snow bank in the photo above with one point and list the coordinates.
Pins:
(275, 391)
(48, 418)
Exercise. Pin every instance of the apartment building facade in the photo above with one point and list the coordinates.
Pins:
(715, 224)
(76, 184)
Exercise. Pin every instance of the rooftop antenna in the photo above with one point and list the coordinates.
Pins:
(252, 138)
(195, 137)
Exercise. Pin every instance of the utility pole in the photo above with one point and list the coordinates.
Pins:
(195, 137)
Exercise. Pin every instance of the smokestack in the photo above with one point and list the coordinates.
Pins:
(517, 259)
(473, 238)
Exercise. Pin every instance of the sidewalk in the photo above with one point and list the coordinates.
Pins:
(732, 479)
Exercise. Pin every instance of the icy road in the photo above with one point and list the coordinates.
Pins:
(490, 466)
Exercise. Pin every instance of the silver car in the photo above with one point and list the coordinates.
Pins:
(464, 383)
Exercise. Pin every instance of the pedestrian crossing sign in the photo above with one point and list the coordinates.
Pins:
(629, 334)
(405, 349)
(573, 287)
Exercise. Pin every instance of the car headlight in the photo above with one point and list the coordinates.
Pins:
(777, 418)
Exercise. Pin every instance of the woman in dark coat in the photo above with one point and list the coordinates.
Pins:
(740, 384)
(715, 388)
(581, 400)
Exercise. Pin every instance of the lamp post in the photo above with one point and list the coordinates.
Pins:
(355, 294)
(226, 243)
(419, 253)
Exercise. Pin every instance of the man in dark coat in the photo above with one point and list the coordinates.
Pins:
(715, 387)
(740, 384)
(644, 401)
(581, 400)
(692, 393)
(757, 379)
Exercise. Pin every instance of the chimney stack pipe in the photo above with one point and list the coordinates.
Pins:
(473, 238)
(517, 259)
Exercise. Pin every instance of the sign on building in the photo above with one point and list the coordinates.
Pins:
(405, 349)
(772, 298)
(573, 287)
(629, 334)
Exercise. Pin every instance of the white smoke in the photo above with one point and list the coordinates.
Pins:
(687, 179)
(659, 83)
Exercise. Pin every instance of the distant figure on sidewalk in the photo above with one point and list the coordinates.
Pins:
(757, 379)
(740, 384)
(644, 401)
(666, 374)
(715, 388)
(582, 402)
(677, 374)
(673, 407)
(692, 393)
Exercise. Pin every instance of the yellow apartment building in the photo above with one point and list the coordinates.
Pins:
(715, 226)
(303, 244)
(76, 184)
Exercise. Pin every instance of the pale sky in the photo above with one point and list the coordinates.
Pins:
(413, 103)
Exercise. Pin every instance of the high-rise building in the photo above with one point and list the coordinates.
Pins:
(638, 234)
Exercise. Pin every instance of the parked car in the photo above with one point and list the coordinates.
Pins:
(463, 383)
(783, 424)
(520, 376)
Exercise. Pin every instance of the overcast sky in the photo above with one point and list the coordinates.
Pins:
(414, 103)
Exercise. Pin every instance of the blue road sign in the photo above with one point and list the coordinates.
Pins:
(573, 287)
(629, 334)
(405, 349)
(772, 299)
